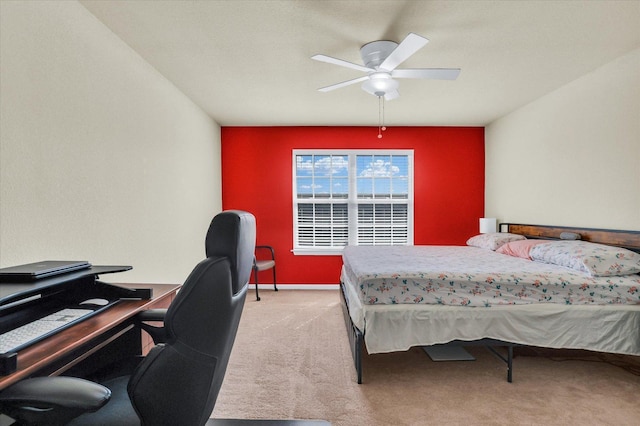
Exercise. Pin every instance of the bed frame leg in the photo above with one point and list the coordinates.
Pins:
(358, 356)
(356, 338)
(510, 364)
(508, 360)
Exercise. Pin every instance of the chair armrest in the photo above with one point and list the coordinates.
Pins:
(152, 315)
(265, 247)
(52, 400)
(157, 333)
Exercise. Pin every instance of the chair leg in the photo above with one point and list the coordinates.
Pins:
(255, 274)
(274, 278)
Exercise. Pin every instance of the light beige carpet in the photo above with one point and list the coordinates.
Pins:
(291, 359)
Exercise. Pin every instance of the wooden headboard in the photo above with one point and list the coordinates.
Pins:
(612, 237)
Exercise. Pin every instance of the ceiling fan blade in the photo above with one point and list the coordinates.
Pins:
(430, 73)
(410, 45)
(391, 95)
(342, 63)
(343, 84)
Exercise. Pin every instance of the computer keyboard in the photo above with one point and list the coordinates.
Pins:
(33, 331)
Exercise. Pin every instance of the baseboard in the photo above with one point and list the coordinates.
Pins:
(265, 422)
(297, 286)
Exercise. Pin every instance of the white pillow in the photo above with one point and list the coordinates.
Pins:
(597, 260)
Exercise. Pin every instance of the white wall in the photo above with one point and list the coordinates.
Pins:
(571, 157)
(101, 158)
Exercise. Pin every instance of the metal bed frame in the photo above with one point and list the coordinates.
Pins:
(356, 342)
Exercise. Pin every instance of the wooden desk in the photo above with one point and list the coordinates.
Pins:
(109, 331)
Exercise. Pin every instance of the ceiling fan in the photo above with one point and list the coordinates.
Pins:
(380, 60)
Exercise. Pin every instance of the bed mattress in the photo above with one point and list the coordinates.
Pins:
(392, 328)
(472, 276)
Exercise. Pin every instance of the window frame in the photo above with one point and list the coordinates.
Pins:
(352, 201)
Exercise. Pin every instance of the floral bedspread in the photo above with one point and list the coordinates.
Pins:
(471, 276)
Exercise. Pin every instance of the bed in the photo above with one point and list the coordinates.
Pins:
(492, 292)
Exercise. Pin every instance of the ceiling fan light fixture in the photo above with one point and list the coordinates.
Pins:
(380, 83)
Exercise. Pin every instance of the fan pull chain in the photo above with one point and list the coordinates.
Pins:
(381, 126)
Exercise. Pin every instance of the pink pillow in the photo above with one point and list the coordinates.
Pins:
(493, 240)
(519, 248)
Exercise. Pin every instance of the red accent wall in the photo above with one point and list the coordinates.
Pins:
(257, 177)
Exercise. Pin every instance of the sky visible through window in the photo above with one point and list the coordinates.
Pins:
(327, 176)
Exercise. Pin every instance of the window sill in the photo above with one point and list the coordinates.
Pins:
(317, 252)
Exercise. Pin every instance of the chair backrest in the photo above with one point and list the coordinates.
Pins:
(229, 236)
(178, 382)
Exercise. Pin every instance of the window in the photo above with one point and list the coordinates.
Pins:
(351, 197)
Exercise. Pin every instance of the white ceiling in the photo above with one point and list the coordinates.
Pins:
(247, 63)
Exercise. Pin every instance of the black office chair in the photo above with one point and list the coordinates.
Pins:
(178, 382)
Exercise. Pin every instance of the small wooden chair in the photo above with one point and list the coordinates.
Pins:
(262, 263)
